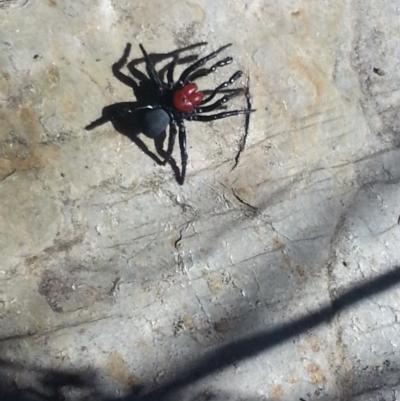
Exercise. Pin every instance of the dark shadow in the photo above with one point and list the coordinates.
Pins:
(19, 383)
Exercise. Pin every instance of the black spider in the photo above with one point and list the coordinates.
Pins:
(172, 102)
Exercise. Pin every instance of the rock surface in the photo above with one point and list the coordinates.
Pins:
(244, 283)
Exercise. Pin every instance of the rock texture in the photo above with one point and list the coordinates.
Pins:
(273, 280)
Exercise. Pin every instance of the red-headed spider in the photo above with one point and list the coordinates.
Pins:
(177, 101)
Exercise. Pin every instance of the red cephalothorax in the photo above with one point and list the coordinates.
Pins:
(187, 98)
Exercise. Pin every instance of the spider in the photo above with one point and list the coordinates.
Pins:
(176, 101)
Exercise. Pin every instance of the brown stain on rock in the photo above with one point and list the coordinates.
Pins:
(311, 75)
(214, 283)
(144, 345)
(67, 294)
(300, 275)
(293, 377)
(302, 349)
(182, 324)
(309, 346)
(6, 169)
(245, 193)
(118, 370)
(313, 342)
(28, 119)
(315, 374)
(222, 326)
(278, 244)
(188, 321)
(4, 83)
(276, 392)
(69, 106)
(53, 76)
(301, 15)
(33, 265)
(54, 291)
(26, 159)
(21, 149)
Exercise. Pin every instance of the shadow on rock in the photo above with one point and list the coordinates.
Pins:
(20, 383)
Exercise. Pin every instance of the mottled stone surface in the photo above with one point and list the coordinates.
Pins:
(116, 281)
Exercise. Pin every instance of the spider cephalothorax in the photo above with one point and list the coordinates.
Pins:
(176, 101)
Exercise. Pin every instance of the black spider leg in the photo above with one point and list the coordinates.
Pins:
(242, 143)
(218, 116)
(170, 72)
(159, 144)
(225, 84)
(206, 71)
(182, 146)
(195, 66)
(218, 103)
(152, 72)
(171, 67)
(183, 60)
(137, 81)
(171, 138)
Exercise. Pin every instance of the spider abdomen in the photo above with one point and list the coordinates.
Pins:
(154, 122)
(187, 98)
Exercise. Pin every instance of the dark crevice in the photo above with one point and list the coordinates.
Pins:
(178, 240)
(7, 175)
(254, 209)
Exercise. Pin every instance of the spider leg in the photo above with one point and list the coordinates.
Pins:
(152, 71)
(218, 103)
(171, 139)
(206, 71)
(242, 143)
(182, 145)
(199, 63)
(139, 75)
(225, 84)
(184, 60)
(218, 116)
(170, 72)
(161, 57)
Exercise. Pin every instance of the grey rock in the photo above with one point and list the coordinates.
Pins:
(116, 281)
